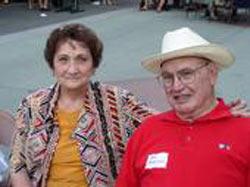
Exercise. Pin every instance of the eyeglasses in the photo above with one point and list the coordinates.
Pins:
(186, 76)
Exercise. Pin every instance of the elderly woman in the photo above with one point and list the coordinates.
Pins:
(74, 133)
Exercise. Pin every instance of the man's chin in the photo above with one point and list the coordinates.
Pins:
(183, 109)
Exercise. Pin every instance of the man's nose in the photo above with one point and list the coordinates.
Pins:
(177, 83)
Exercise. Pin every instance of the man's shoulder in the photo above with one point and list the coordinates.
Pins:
(242, 122)
(156, 120)
(235, 127)
(163, 116)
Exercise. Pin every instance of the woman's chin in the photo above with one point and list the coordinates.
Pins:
(73, 86)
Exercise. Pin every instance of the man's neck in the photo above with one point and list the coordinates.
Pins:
(201, 111)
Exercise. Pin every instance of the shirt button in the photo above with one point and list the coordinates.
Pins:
(189, 138)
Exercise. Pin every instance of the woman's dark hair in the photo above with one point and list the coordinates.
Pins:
(79, 33)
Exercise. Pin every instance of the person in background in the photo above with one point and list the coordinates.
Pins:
(158, 5)
(72, 6)
(198, 142)
(43, 7)
(6, 129)
(43, 4)
(161, 5)
(75, 132)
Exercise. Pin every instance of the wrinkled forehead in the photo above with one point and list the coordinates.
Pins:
(177, 64)
(72, 43)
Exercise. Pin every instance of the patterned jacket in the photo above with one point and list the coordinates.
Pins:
(101, 133)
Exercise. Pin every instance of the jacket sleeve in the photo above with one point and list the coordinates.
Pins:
(136, 109)
(18, 155)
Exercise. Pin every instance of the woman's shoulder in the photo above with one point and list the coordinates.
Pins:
(106, 86)
(40, 94)
(125, 97)
(114, 88)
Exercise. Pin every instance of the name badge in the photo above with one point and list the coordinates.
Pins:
(157, 160)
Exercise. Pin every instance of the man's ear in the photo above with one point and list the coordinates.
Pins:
(213, 73)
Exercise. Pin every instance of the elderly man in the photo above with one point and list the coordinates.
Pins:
(198, 143)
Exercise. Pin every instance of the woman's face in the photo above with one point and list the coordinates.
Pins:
(73, 65)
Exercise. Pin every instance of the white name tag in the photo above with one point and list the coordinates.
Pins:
(157, 160)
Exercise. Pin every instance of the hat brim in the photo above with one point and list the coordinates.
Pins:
(216, 53)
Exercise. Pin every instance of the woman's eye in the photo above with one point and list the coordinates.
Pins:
(63, 60)
(82, 59)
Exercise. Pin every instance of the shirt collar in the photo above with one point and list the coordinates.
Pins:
(48, 104)
(219, 112)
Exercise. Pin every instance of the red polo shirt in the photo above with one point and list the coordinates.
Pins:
(212, 151)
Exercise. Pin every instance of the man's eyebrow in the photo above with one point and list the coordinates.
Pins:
(184, 69)
(166, 73)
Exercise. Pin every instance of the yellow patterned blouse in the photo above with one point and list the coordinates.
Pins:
(66, 169)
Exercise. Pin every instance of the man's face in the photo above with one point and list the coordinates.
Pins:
(189, 84)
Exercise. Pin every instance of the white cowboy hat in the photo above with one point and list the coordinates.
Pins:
(185, 42)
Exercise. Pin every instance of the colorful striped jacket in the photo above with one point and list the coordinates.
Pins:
(101, 133)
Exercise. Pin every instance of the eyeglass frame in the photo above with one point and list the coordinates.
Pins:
(180, 76)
